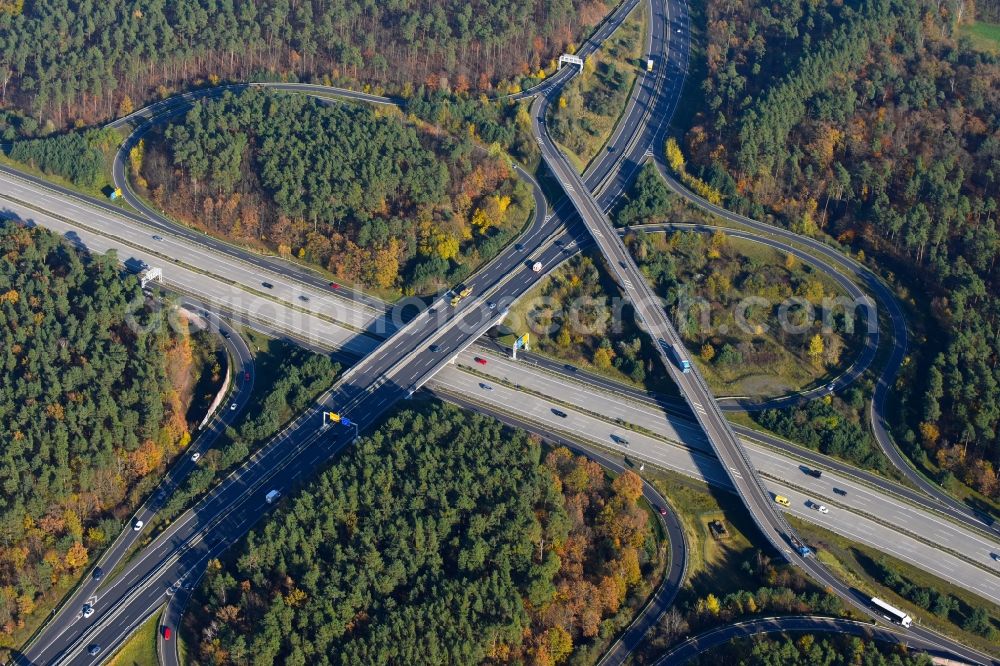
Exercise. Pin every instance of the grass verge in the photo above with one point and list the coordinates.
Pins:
(140, 648)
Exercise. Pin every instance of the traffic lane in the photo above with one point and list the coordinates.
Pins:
(179, 534)
(156, 571)
(584, 397)
(74, 200)
(715, 637)
(673, 49)
(167, 248)
(699, 465)
(861, 529)
(624, 131)
(238, 519)
(861, 498)
(214, 291)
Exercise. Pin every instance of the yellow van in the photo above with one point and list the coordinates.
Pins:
(782, 500)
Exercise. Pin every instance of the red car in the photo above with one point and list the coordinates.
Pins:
(480, 361)
(246, 375)
(166, 633)
(334, 285)
(663, 511)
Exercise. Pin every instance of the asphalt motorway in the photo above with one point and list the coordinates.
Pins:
(692, 647)
(678, 411)
(420, 371)
(653, 318)
(726, 445)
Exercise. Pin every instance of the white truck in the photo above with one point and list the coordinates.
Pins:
(272, 496)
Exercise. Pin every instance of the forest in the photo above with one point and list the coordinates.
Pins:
(360, 192)
(441, 537)
(64, 63)
(92, 406)
(872, 123)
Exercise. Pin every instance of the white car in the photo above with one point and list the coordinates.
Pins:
(195, 457)
(88, 610)
(137, 525)
(821, 508)
(232, 407)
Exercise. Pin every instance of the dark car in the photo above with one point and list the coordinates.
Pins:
(435, 348)
(94, 649)
(246, 375)
(267, 285)
(98, 573)
(662, 511)
(618, 439)
(303, 297)
(224, 332)
(558, 412)
(838, 491)
(814, 473)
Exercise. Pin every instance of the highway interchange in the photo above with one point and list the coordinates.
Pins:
(380, 379)
(670, 421)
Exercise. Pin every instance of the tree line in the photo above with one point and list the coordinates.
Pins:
(442, 537)
(360, 192)
(80, 157)
(63, 62)
(810, 649)
(92, 405)
(874, 123)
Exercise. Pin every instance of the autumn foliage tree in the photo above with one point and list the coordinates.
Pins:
(361, 193)
(87, 409)
(874, 123)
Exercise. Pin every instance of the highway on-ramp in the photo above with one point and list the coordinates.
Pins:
(712, 638)
(727, 447)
